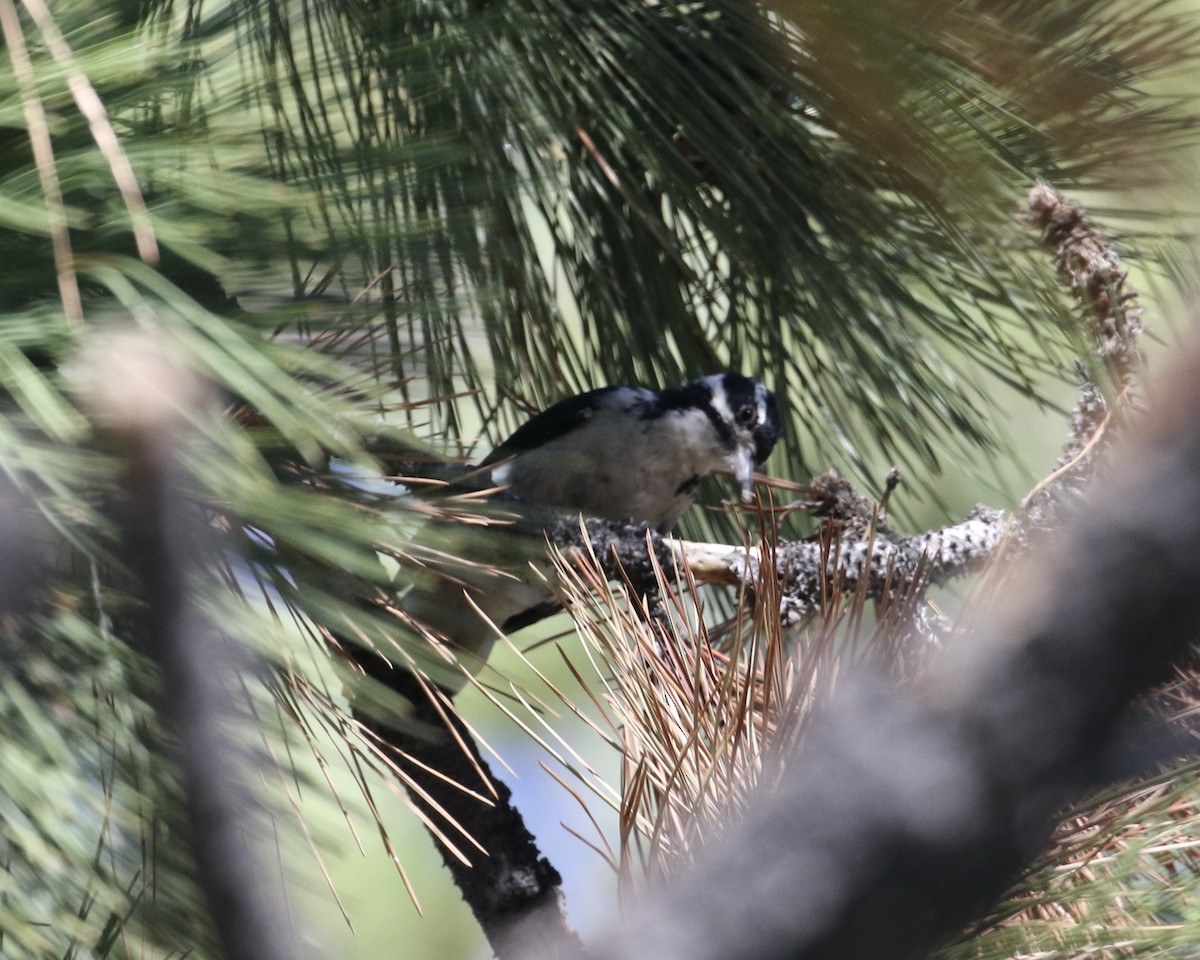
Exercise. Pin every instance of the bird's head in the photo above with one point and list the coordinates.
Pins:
(747, 420)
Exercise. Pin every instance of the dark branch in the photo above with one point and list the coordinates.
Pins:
(512, 890)
(22, 562)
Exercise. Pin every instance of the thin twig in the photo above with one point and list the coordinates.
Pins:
(92, 107)
(43, 155)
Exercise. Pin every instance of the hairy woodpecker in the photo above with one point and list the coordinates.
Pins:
(620, 453)
(629, 453)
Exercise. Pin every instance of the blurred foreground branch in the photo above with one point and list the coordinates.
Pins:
(142, 401)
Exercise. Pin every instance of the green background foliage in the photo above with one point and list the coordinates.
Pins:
(414, 223)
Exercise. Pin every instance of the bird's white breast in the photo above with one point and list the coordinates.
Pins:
(619, 466)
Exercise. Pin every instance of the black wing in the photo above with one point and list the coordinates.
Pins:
(553, 422)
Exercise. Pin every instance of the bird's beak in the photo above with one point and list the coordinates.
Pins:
(741, 464)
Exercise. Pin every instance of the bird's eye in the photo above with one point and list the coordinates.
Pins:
(746, 415)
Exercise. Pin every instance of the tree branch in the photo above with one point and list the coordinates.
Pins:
(138, 396)
(885, 562)
(513, 891)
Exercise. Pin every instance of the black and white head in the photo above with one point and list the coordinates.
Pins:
(630, 453)
(742, 414)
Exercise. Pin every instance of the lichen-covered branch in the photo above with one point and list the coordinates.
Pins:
(1111, 319)
(1091, 269)
(883, 559)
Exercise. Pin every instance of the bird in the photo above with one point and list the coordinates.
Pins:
(636, 454)
(621, 453)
